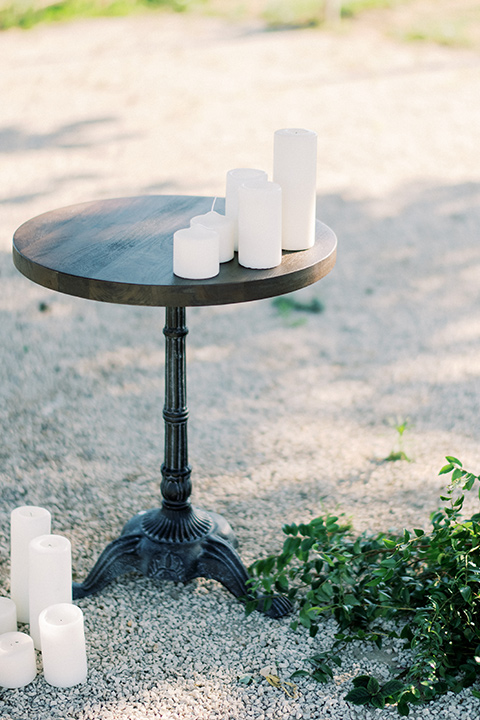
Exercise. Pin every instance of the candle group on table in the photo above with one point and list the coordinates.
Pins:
(262, 218)
(41, 595)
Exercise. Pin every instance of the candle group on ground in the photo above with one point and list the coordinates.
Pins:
(41, 589)
(262, 218)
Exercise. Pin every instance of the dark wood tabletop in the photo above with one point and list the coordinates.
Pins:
(121, 251)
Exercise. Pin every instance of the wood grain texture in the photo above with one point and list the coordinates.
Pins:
(121, 251)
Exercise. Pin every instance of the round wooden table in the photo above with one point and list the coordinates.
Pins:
(121, 251)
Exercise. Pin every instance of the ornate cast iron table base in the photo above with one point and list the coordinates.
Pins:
(165, 548)
(177, 541)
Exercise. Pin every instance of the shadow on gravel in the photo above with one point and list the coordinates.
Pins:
(73, 135)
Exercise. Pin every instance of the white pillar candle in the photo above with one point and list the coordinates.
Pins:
(259, 225)
(50, 581)
(235, 178)
(196, 253)
(8, 615)
(295, 170)
(26, 522)
(18, 665)
(223, 226)
(63, 645)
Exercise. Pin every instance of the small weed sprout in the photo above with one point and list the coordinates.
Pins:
(398, 453)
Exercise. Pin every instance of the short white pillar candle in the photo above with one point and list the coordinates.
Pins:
(223, 226)
(18, 665)
(64, 654)
(260, 225)
(196, 253)
(295, 170)
(26, 522)
(50, 570)
(8, 615)
(235, 178)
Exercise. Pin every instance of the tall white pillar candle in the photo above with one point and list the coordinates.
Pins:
(259, 225)
(26, 522)
(18, 665)
(223, 226)
(196, 253)
(50, 569)
(295, 170)
(8, 615)
(235, 178)
(63, 645)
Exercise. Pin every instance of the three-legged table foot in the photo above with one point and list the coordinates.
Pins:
(177, 547)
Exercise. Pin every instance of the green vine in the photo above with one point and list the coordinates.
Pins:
(426, 583)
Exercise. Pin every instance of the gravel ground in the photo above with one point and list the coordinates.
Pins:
(290, 414)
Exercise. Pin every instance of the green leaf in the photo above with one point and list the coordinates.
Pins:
(466, 592)
(392, 687)
(475, 693)
(373, 583)
(378, 701)
(406, 633)
(281, 583)
(373, 686)
(389, 543)
(446, 469)
(320, 676)
(358, 696)
(418, 532)
(403, 709)
(300, 673)
(453, 460)
(361, 681)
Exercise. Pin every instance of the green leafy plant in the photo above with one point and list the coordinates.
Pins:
(420, 587)
(285, 306)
